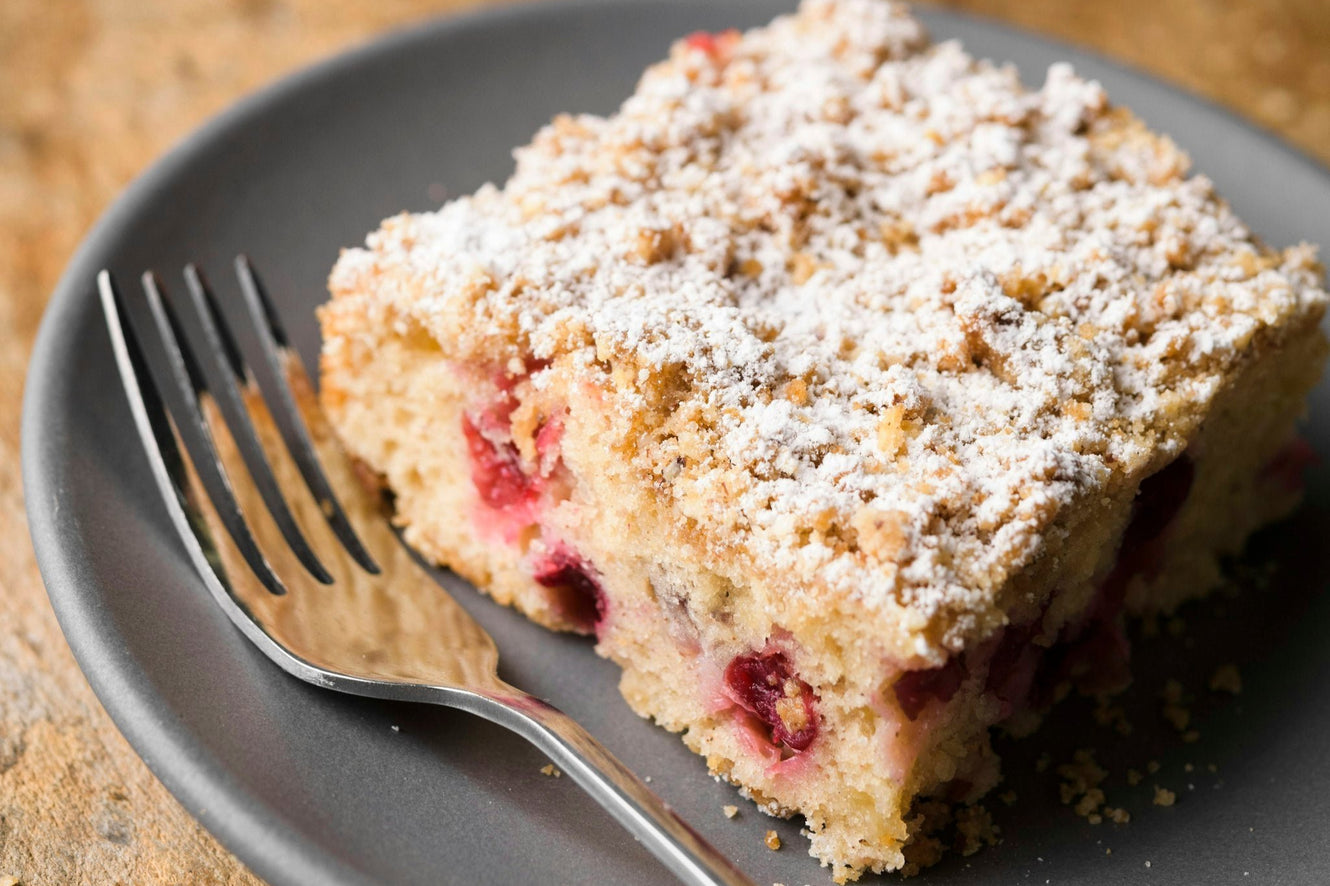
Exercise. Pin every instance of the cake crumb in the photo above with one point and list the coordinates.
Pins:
(1134, 777)
(1081, 779)
(1226, 678)
(1175, 710)
(1113, 716)
(975, 829)
(1090, 802)
(1117, 815)
(927, 821)
(550, 770)
(772, 839)
(1164, 797)
(1152, 767)
(1008, 798)
(1191, 736)
(1179, 717)
(730, 811)
(1187, 767)
(1081, 789)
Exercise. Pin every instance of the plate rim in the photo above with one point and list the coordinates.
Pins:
(203, 787)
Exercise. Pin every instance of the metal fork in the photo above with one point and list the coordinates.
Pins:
(296, 550)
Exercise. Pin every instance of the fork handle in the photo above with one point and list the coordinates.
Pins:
(625, 796)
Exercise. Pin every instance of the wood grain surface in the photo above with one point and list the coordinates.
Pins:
(91, 91)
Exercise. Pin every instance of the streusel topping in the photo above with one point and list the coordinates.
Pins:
(874, 311)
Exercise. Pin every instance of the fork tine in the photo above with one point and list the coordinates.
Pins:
(169, 374)
(144, 402)
(215, 358)
(265, 365)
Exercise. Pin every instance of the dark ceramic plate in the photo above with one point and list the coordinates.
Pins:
(311, 787)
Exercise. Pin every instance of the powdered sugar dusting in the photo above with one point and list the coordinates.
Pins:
(873, 313)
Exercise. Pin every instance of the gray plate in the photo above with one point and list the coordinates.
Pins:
(311, 787)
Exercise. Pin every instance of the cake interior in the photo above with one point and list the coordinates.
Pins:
(515, 477)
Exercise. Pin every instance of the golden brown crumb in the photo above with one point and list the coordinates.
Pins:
(1226, 679)
(772, 840)
(1178, 716)
(1080, 785)
(791, 709)
(1106, 714)
(730, 811)
(975, 829)
(1187, 767)
(925, 849)
(1152, 767)
(1080, 775)
(1164, 797)
(1117, 815)
(1090, 802)
(920, 853)
(1008, 798)
(1133, 777)
(550, 770)
(1175, 711)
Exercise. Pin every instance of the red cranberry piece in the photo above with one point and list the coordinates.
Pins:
(496, 418)
(1100, 661)
(711, 44)
(765, 685)
(1158, 501)
(915, 689)
(547, 439)
(577, 595)
(496, 470)
(1012, 669)
(1289, 464)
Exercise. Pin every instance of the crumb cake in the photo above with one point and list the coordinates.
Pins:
(850, 393)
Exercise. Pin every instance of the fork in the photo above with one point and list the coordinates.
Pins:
(294, 546)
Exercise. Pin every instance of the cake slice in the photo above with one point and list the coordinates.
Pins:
(850, 393)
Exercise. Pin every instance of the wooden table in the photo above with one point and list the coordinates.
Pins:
(91, 91)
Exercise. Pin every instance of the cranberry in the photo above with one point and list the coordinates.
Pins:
(548, 436)
(711, 44)
(496, 470)
(765, 686)
(1289, 464)
(1012, 669)
(915, 689)
(1158, 501)
(1100, 661)
(577, 595)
